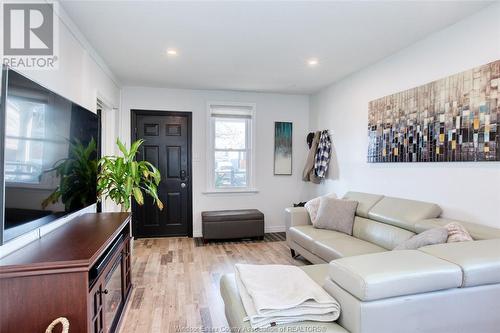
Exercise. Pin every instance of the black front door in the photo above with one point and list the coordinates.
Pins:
(167, 145)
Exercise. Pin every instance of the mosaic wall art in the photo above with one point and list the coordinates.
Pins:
(453, 119)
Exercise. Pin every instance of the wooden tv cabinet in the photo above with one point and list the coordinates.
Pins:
(81, 271)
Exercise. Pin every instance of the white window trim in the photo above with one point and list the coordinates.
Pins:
(251, 173)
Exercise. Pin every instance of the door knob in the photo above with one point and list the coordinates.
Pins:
(183, 185)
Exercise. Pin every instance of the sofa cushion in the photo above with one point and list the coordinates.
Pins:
(305, 235)
(428, 237)
(477, 231)
(335, 214)
(394, 273)
(365, 201)
(479, 260)
(312, 206)
(333, 248)
(381, 234)
(403, 213)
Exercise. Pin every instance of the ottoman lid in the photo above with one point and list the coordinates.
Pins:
(233, 215)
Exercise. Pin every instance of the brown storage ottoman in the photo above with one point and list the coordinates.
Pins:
(229, 224)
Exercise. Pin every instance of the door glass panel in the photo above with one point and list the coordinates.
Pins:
(113, 298)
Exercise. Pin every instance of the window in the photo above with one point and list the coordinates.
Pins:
(24, 138)
(230, 147)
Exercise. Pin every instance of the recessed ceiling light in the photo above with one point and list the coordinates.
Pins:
(312, 62)
(172, 52)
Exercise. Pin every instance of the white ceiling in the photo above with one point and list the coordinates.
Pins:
(254, 46)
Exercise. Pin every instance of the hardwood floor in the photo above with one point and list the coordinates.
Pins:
(176, 283)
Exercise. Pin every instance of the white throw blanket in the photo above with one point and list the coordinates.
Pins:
(281, 294)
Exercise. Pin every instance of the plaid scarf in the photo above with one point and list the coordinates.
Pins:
(322, 155)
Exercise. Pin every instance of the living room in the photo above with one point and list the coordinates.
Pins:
(202, 125)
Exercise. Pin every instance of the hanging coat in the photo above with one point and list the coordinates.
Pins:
(322, 158)
(308, 175)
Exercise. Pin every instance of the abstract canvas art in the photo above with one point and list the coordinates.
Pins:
(283, 148)
(452, 119)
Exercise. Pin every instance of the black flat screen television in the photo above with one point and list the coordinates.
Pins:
(48, 156)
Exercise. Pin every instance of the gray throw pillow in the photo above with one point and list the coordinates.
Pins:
(428, 237)
(336, 214)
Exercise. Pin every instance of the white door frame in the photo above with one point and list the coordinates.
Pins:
(109, 133)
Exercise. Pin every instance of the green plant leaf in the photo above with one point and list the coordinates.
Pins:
(122, 147)
(138, 196)
(133, 169)
(134, 148)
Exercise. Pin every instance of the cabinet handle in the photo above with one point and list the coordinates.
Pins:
(105, 291)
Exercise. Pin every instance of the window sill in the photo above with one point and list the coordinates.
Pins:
(232, 191)
(31, 186)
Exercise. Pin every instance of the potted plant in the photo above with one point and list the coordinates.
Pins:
(122, 178)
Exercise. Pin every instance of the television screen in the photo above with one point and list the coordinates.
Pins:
(49, 155)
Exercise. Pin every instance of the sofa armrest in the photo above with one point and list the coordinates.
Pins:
(296, 216)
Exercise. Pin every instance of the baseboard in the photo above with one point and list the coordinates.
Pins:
(275, 228)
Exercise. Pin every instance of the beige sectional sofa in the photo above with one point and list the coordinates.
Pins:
(452, 287)
(381, 223)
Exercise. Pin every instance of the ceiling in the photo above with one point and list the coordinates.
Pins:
(254, 46)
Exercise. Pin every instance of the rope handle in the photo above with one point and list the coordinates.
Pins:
(61, 320)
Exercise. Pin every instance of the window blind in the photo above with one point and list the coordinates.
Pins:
(231, 111)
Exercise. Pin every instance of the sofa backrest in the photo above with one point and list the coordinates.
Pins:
(403, 213)
(381, 234)
(385, 220)
(366, 201)
(477, 231)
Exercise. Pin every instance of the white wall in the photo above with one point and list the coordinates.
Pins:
(275, 192)
(466, 191)
(82, 77)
